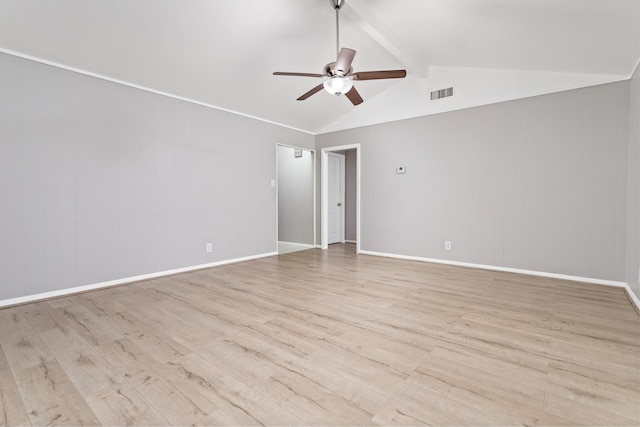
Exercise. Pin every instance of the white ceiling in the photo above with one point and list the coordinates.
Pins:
(223, 53)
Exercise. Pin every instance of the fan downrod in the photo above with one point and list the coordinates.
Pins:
(339, 74)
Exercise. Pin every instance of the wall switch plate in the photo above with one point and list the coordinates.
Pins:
(401, 169)
(209, 248)
(447, 245)
(273, 183)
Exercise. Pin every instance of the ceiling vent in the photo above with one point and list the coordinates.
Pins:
(442, 93)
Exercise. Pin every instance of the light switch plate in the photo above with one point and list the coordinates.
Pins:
(401, 169)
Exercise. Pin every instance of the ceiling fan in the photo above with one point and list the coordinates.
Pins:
(339, 75)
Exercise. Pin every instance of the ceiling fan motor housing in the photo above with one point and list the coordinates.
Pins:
(339, 75)
(336, 4)
(329, 70)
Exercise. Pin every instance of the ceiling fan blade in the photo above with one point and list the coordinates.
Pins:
(378, 75)
(343, 63)
(311, 92)
(354, 96)
(282, 73)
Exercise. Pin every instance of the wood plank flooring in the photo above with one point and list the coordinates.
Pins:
(325, 338)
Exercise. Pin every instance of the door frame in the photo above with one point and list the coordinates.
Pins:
(315, 198)
(324, 193)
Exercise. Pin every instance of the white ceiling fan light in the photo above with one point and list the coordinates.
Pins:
(339, 75)
(337, 85)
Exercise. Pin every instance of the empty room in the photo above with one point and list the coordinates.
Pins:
(320, 212)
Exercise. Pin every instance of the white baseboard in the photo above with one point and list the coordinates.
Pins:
(632, 296)
(84, 288)
(505, 269)
(297, 244)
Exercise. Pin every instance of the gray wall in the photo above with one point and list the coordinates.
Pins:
(100, 181)
(633, 187)
(536, 184)
(295, 196)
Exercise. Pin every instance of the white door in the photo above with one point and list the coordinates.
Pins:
(336, 198)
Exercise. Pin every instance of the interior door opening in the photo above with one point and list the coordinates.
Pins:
(342, 204)
(296, 204)
(336, 198)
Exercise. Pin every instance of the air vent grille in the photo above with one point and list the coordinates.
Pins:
(442, 93)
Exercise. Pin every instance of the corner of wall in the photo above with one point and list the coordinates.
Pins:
(633, 187)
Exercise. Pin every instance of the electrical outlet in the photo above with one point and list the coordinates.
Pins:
(447, 245)
(209, 248)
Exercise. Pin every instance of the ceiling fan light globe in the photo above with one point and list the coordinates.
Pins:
(338, 85)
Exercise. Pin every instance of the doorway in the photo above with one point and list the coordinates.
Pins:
(295, 193)
(325, 202)
(336, 196)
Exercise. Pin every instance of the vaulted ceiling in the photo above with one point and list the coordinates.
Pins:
(223, 53)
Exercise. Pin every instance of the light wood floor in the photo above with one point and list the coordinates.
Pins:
(325, 338)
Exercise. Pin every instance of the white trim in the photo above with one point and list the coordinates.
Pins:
(324, 194)
(295, 146)
(324, 199)
(84, 288)
(133, 85)
(296, 243)
(504, 269)
(358, 192)
(632, 295)
(277, 181)
(315, 197)
(614, 283)
(635, 69)
(343, 218)
(285, 247)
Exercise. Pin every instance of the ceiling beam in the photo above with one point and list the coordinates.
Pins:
(376, 27)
